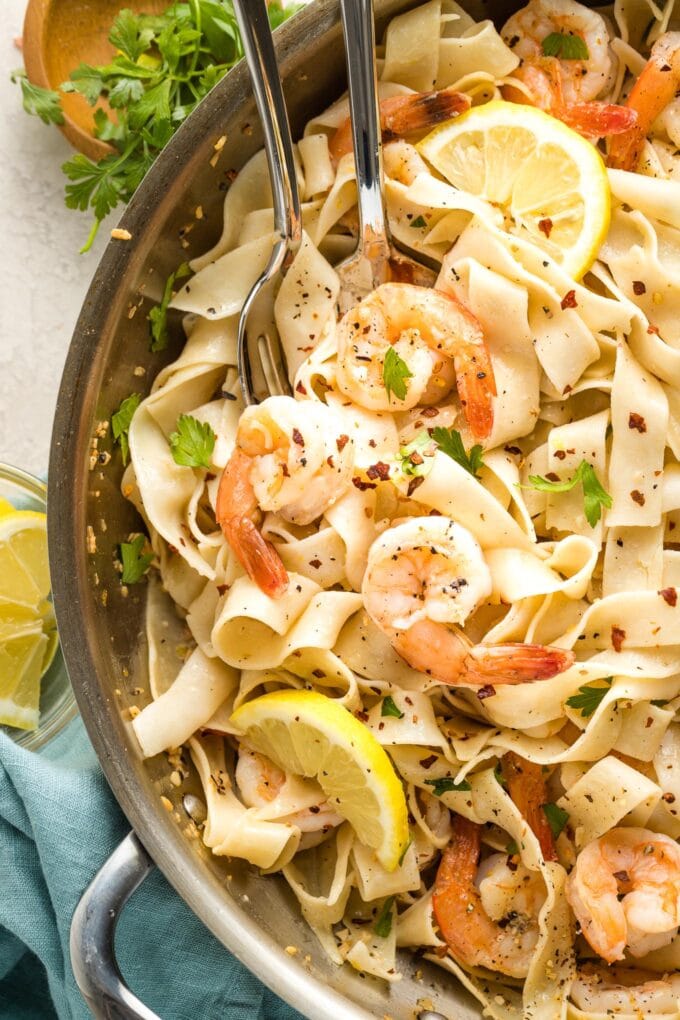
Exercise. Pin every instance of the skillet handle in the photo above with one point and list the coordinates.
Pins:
(93, 928)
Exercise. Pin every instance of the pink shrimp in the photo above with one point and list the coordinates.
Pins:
(656, 87)
(401, 116)
(424, 578)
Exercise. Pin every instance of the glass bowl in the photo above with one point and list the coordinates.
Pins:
(57, 703)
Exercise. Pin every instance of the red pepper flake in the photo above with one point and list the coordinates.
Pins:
(648, 722)
(284, 470)
(653, 329)
(315, 563)
(300, 388)
(552, 477)
(560, 454)
(430, 412)
(636, 421)
(223, 588)
(363, 716)
(426, 763)
(318, 673)
(297, 438)
(414, 484)
(487, 691)
(670, 596)
(545, 226)
(618, 637)
(569, 300)
(341, 442)
(637, 497)
(639, 287)
(416, 458)
(379, 470)
(362, 486)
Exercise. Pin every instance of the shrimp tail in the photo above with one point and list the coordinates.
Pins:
(455, 879)
(404, 115)
(515, 663)
(598, 120)
(526, 786)
(257, 556)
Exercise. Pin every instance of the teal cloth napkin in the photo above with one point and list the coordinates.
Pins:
(58, 824)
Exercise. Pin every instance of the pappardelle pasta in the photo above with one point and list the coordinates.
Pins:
(435, 656)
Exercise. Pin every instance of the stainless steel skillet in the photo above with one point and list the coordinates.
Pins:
(102, 632)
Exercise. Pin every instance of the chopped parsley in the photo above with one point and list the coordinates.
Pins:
(383, 924)
(589, 698)
(557, 818)
(565, 46)
(449, 442)
(447, 785)
(594, 496)
(135, 563)
(389, 707)
(419, 221)
(193, 442)
(121, 421)
(395, 374)
(158, 316)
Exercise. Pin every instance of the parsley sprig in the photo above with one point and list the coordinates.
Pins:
(589, 698)
(557, 818)
(594, 495)
(565, 46)
(389, 707)
(447, 785)
(121, 421)
(164, 65)
(158, 316)
(383, 924)
(450, 442)
(395, 374)
(135, 563)
(193, 442)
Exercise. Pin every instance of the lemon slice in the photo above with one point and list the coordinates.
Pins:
(311, 735)
(549, 182)
(21, 666)
(28, 630)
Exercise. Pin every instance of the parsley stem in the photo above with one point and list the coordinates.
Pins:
(94, 229)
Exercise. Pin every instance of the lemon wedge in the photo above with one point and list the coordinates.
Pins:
(549, 182)
(28, 630)
(311, 735)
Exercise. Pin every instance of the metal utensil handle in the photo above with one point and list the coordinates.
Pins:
(362, 81)
(258, 47)
(93, 928)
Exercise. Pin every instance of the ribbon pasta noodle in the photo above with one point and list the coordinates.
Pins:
(461, 528)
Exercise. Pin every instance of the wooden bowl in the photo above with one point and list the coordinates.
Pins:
(61, 34)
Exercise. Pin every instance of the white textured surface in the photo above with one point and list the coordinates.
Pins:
(44, 279)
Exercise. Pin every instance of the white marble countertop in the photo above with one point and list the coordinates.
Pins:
(44, 279)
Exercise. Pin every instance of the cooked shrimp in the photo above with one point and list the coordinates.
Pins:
(261, 782)
(438, 339)
(643, 868)
(492, 924)
(656, 87)
(566, 88)
(625, 990)
(526, 786)
(542, 80)
(400, 116)
(424, 578)
(291, 458)
(581, 80)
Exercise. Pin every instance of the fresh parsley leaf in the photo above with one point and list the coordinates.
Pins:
(135, 564)
(588, 698)
(37, 101)
(594, 495)
(121, 421)
(419, 221)
(383, 925)
(129, 35)
(557, 818)
(512, 848)
(389, 707)
(93, 184)
(86, 80)
(278, 13)
(447, 785)
(403, 853)
(395, 374)
(498, 774)
(193, 442)
(449, 442)
(158, 316)
(565, 46)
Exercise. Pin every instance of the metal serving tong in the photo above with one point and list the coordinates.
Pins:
(376, 259)
(261, 362)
